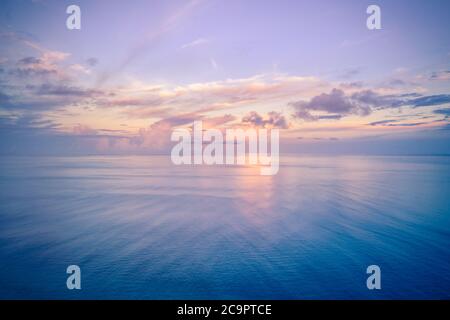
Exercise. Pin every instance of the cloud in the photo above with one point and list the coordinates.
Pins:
(156, 138)
(48, 86)
(397, 123)
(64, 90)
(137, 100)
(32, 66)
(92, 62)
(83, 130)
(214, 64)
(335, 103)
(25, 103)
(79, 68)
(351, 85)
(330, 117)
(427, 101)
(30, 123)
(445, 112)
(272, 120)
(194, 43)
(374, 100)
(397, 82)
(414, 124)
(382, 122)
(319, 138)
(443, 75)
(43, 82)
(47, 65)
(350, 73)
(215, 122)
(4, 98)
(44, 97)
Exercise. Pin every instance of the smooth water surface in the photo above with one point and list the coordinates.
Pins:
(140, 227)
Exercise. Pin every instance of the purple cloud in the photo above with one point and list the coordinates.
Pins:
(273, 119)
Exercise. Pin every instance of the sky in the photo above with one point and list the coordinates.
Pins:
(139, 69)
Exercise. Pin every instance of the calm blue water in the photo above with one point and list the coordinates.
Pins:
(140, 227)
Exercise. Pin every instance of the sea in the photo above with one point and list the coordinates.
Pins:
(140, 227)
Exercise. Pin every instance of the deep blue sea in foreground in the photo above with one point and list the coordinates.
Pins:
(142, 228)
